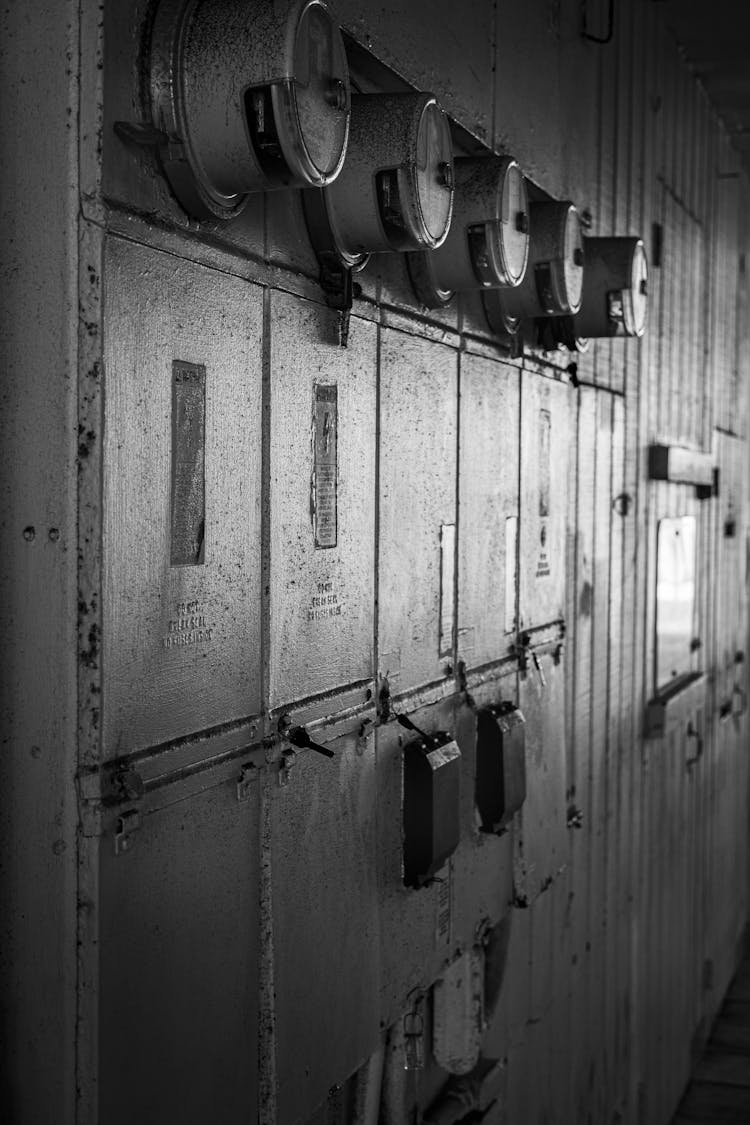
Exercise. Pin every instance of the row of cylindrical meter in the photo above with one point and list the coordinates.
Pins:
(248, 97)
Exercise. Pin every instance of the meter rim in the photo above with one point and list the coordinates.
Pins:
(308, 170)
(426, 237)
(169, 32)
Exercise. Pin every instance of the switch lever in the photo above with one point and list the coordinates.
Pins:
(298, 736)
(540, 670)
(406, 722)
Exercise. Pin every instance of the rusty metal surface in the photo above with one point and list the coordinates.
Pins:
(38, 572)
(181, 643)
(321, 583)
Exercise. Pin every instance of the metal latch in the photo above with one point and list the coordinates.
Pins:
(298, 736)
(286, 762)
(127, 825)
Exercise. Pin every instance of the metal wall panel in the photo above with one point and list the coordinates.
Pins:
(323, 848)
(488, 504)
(421, 929)
(39, 669)
(426, 41)
(624, 919)
(541, 843)
(181, 643)
(418, 439)
(179, 959)
(322, 479)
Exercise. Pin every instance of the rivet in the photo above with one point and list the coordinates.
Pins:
(28, 534)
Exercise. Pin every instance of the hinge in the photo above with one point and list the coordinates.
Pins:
(246, 781)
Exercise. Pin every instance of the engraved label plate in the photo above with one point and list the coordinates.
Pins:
(188, 464)
(546, 446)
(545, 425)
(325, 482)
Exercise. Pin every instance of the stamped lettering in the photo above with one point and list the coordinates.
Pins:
(189, 626)
(325, 602)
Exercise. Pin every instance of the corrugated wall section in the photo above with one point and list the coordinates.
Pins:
(653, 923)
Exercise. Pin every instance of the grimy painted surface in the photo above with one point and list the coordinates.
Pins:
(204, 918)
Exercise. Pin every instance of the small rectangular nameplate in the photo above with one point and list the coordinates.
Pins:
(187, 543)
(325, 477)
(545, 461)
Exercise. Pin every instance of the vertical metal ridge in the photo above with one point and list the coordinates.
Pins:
(87, 65)
(376, 523)
(265, 492)
(267, 1072)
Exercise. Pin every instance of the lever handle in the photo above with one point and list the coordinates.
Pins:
(298, 736)
(540, 670)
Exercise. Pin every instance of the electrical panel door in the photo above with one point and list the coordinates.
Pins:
(488, 480)
(417, 542)
(322, 478)
(182, 454)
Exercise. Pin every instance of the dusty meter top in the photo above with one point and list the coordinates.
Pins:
(395, 191)
(250, 96)
(488, 242)
(615, 288)
(553, 281)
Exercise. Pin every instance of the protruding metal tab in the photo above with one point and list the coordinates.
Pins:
(127, 825)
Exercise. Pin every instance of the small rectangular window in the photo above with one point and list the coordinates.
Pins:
(675, 598)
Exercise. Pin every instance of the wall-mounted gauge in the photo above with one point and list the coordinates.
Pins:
(250, 96)
(553, 281)
(615, 288)
(395, 191)
(488, 241)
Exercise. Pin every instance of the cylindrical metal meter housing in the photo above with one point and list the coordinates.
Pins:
(395, 191)
(488, 241)
(553, 281)
(250, 96)
(615, 288)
